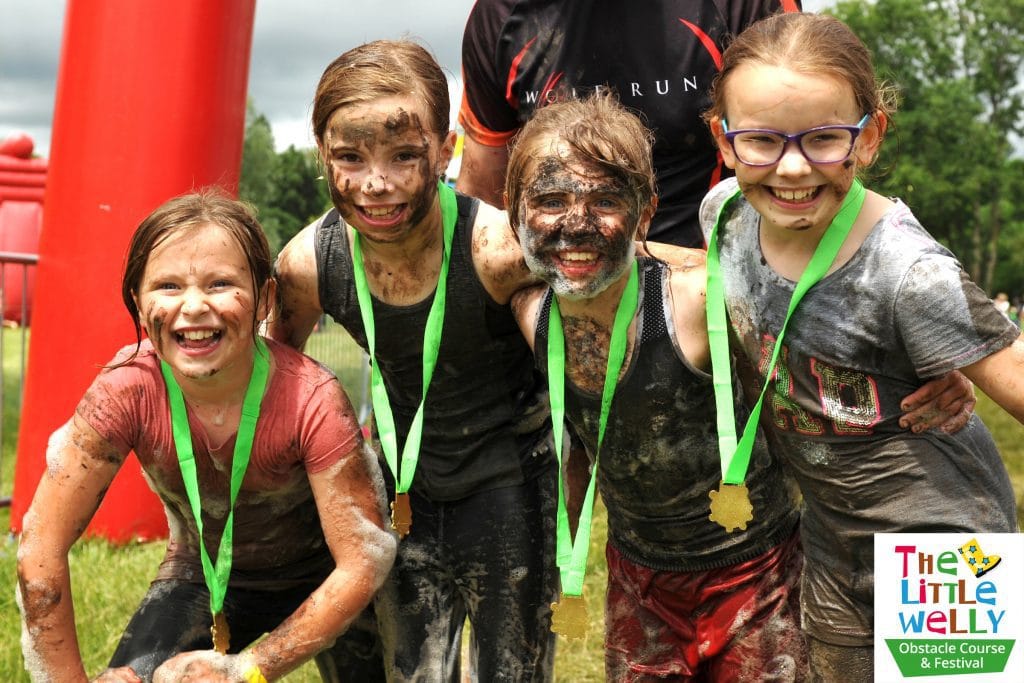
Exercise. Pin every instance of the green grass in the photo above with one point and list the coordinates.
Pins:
(108, 581)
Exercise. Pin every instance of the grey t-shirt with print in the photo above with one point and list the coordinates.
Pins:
(901, 311)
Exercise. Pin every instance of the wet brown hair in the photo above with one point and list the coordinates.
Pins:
(597, 128)
(210, 205)
(381, 69)
(806, 43)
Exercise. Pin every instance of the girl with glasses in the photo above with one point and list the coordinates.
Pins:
(796, 111)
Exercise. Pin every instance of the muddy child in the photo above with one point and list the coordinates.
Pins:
(421, 278)
(797, 113)
(686, 598)
(252, 448)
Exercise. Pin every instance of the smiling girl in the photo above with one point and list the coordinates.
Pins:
(274, 503)
(797, 113)
(421, 278)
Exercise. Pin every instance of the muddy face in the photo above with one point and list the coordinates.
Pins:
(578, 223)
(384, 163)
(794, 195)
(196, 302)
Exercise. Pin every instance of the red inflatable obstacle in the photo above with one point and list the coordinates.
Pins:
(150, 104)
(22, 181)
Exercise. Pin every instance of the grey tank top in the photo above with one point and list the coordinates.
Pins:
(660, 457)
(486, 414)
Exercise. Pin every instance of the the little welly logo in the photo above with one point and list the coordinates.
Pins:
(942, 612)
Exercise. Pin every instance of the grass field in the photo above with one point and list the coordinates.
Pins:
(108, 582)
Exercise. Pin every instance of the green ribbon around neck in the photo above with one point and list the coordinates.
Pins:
(217, 575)
(571, 555)
(736, 456)
(403, 471)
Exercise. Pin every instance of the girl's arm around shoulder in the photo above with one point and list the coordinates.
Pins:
(80, 464)
(1001, 377)
(497, 255)
(526, 307)
(297, 309)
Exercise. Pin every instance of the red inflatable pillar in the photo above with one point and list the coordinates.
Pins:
(150, 104)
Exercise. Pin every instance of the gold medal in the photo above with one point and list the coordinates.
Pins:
(569, 616)
(730, 506)
(401, 514)
(221, 633)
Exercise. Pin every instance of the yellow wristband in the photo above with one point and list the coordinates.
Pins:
(254, 675)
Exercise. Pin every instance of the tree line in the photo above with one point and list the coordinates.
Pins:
(287, 188)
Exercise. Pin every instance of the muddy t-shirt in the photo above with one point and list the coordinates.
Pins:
(658, 57)
(899, 312)
(302, 429)
(659, 458)
(486, 417)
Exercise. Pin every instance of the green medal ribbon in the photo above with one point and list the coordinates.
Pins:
(404, 471)
(217, 576)
(736, 457)
(572, 553)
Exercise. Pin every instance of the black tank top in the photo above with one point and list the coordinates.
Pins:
(660, 458)
(486, 414)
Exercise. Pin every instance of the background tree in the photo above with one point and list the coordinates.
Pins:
(958, 67)
(300, 194)
(285, 187)
(259, 161)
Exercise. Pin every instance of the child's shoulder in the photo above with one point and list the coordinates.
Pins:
(712, 203)
(132, 358)
(902, 238)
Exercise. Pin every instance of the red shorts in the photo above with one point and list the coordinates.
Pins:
(735, 623)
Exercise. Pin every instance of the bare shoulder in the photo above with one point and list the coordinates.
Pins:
(298, 257)
(497, 256)
(678, 257)
(688, 280)
(298, 290)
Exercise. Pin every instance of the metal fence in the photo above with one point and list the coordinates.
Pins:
(15, 272)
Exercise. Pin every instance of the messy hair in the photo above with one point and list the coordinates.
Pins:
(597, 128)
(807, 43)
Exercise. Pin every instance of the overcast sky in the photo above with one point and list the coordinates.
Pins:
(293, 41)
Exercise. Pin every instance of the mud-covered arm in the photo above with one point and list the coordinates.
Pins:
(80, 464)
(349, 499)
(497, 256)
(1001, 377)
(297, 309)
